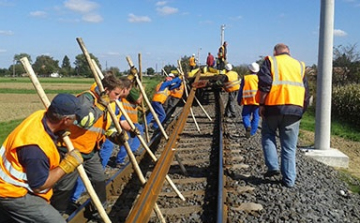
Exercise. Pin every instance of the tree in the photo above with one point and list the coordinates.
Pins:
(346, 65)
(82, 67)
(17, 57)
(185, 63)
(169, 68)
(150, 71)
(16, 68)
(45, 65)
(66, 69)
(115, 71)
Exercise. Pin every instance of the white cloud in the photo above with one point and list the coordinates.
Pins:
(94, 18)
(339, 32)
(167, 10)
(40, 14)
(134, 18)
(2, 51)
(6, 33)
(82, 6)
(161, 3)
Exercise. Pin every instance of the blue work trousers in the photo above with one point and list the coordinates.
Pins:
(159, 110)
(134, 144)
(288, 126)
(250, 117)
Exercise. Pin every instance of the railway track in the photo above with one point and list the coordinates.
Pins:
(221, 179)
(196, 171)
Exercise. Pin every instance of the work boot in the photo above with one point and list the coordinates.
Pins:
(271, 173)
(248, 130)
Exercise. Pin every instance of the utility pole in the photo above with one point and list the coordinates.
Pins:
(222, 34)
(325, 58)
(14, 68)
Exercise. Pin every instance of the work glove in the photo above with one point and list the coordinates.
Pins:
(104, 101)
(134, 132)
(119, 138)
(133, 70)
(71, 160)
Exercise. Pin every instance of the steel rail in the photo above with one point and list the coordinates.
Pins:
(151, 191)
(221, 214)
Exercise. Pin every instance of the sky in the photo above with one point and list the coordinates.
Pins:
(164, 31)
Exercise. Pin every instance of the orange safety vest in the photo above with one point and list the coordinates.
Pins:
(249, 91)
(13, 180)
(192, 61)
(161, 96)
(178, 92)
(233, 83)
(131, 110)
(85, 140)
(287, 86)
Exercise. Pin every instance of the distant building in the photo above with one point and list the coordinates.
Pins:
(55, 75)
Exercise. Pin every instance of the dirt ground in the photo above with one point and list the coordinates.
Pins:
(19, 106)
(348, 147)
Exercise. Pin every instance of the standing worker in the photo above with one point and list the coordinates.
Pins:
(30, 163)
(231, 85)
(222, 56)
(87, 136)
(210, 61)
(248, 97)
(283, 99)
(192, 62)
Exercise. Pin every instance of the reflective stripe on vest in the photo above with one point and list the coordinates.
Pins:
(233, 83)
(287, 86)
(249, 96)
(13, 179)
(86, 140)
(131, 110)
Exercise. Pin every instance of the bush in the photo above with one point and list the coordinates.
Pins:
(346, 103)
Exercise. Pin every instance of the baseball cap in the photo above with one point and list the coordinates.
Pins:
(65, 104)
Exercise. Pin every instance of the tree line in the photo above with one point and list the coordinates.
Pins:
(46, 65)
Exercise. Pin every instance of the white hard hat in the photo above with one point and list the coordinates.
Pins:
(171, 75)
(254, 67)
(228, 67)
(193, 54)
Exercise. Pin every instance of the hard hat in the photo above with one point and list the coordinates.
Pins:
(193, 54)
(228, 67)
(254, 67)
(171, 75)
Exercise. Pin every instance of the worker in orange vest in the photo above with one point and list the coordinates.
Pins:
(175, 96)
(30, 163)
(192, 62)
(248, 98)
(162, 92)
(87, 136)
